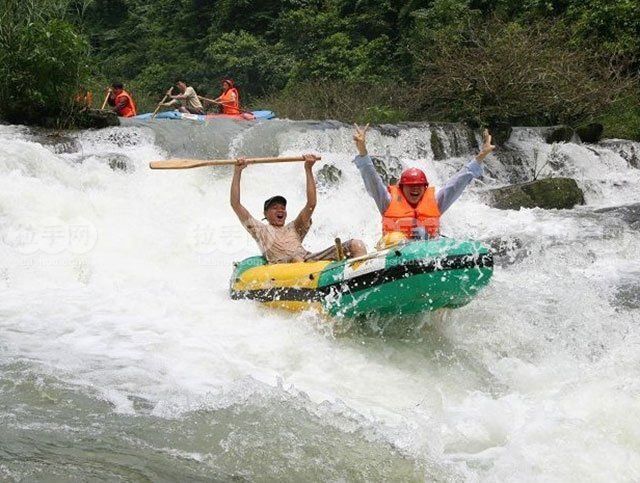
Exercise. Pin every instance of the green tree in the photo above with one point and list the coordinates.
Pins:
(43, 61)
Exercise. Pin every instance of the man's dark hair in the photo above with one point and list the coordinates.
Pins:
(117, 85)
(180, 79)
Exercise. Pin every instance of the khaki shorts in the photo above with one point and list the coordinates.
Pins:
(330, 253)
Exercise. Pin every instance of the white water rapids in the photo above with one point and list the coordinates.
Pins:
(122, 355)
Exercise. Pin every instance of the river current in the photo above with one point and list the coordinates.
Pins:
(123, 357)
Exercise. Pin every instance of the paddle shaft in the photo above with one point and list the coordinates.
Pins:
(213, 101)
(105, 100)
(160, 103)
(199, 163)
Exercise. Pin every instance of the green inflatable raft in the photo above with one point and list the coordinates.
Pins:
(411, 278)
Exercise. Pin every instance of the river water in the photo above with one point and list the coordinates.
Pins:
(122, 356)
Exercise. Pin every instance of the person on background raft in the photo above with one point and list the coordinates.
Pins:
(121, 101)
(187, 101)
(229, 99)
(281, 242)
(84, 98)
(412, 208)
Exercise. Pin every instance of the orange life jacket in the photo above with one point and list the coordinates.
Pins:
(129, 109)
(230, 101)
(402, 217)
(84, 100)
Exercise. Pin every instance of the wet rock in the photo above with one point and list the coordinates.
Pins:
(590, 133)
(627, 293)
(328, 176)
(389, 168)
(389, 130)
(628, 150)
(97, 119)
(548, 193)
(630, 214)
(437, 147)
(119, 162)
(116, 161)
(500, 132)
(124, 138)
(507, 251)
(559, 134)
(59, 143)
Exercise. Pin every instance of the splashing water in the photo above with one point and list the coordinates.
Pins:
(123, 357)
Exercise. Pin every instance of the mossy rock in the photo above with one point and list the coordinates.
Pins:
(389, 168)
(590, 133)
(437, 147)
(548, 193)
(560, 134)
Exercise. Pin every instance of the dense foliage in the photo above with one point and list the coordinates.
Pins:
(43, 60)
(534, 61)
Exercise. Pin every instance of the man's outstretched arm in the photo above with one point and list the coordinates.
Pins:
(304, 217)
(453, 188)
(372, 181)
(243, 214)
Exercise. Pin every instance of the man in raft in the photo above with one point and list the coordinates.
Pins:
(187, 101)
(412, 208)
(121, 101)
(281, 242)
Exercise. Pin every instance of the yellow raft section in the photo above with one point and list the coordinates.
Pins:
(283, 275)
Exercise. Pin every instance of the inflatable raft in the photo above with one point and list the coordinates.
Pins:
(407, 279)
(176, 115)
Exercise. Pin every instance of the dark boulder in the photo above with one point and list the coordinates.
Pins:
(97, 119)
(500, 132)
(559, 134)
(548, 193)
(590, 133)
(59, 143)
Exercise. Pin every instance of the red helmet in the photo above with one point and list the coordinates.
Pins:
(413, 176)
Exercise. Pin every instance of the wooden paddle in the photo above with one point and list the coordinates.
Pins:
(198, 163)
(161, 102)
(105, 100)
(213, 101)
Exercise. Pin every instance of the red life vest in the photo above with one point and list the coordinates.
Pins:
(129, 109)
(401, 217)
(230, 101)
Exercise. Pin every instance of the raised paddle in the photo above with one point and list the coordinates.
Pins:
(199, 163)
(105, 100)
(161, 102)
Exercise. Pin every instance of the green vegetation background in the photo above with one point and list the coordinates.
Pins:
(530, 62)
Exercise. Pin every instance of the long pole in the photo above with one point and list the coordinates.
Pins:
(198, 163)
(161, 102)
(105, 100)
